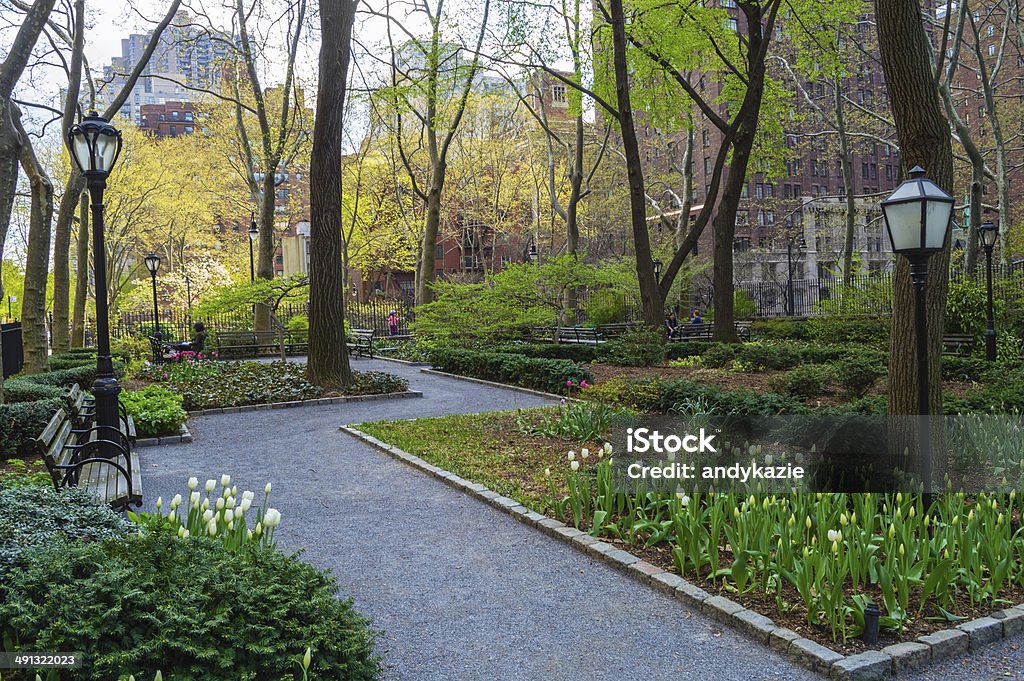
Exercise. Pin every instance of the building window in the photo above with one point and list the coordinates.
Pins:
(558, 94)
(745, 191)
(759, 190)
(174, 115)
(741, 244)
(188, 115)
(707, 165)
(439, 252)
(731, 23)
(992, 50)
(705, 137)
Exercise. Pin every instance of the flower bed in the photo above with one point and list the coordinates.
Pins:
(809, 561)
(211, 385)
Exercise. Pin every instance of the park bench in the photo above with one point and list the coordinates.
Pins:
(247, 343)
(82, 407)
(578, 334)
(98, 459)
(616, 329)
(539, 334)
(707, 331)
(361, 341)
(161, 351)
(960, 344)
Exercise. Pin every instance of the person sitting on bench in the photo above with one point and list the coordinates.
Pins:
(671, 324)
(695, 318)
(197, 343)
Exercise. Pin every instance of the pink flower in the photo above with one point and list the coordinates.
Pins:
(584, 384)
(569, 383)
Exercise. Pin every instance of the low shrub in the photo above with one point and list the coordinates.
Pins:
(636, 347)
(583, 353)
(857, 376)
(21, 422)
(549, 375)
(298, 327)
(131, 348)
(688, 348)
(956, 368)
(661, 396)
(805, 381)
(156, 410)
(40, 516)
(576, 421)
(778, 329)
(830, 328)
(71, 360)
(187, 606)
(23, 389)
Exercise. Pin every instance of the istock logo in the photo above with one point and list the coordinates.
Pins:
(643, 440)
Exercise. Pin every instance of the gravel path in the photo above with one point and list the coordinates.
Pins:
(461, 591)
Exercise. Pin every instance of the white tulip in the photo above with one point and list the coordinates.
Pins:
(186, 534)
(684, 500)
(207, 516)
(547, 472)
(193, 483)
(230, 502)
(768, 458)
(181, 531)
(575, 465)
(272, 518)
(249, 534)
(225, 480)
(585, 453)
(248, 495)
(234, 490)
(231, 524)
(229, 515)
(571, 455)
(835, 536)
(193, 499)
(210, 486)
(246, 503)
(220, 504)
(258, 530)
(205, 505)
(171, 516)
(176, 501)
(266, 490)
(607, 447)
(159, 503)
(211, 529)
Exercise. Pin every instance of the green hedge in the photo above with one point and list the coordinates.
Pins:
(21, 422)
(22, 388)
(661, 396)
(150, 601)
(549, 375)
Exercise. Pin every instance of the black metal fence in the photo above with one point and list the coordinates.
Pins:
(176, 325)
(13, 352)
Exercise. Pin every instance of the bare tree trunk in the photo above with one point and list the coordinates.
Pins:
(924, 140)
(650, 296)
(37, 261)
(328, 358)
(81, 274)
(61, 263)
(847, 170)
(974, 201)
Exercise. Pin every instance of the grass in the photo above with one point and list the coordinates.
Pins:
(486, 448)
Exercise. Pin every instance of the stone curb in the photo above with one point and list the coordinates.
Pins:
(493, 384)
(320, 401)
(870, 665)
(184, 435)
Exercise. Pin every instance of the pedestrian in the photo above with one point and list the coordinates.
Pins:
(393, 323)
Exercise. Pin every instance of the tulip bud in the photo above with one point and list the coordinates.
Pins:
(220, 504)
(575, 465)
(571, 455)
(159, 503)
(193, 483)
(176, 501)
(207, 516)
(210, 486)
(306, 659)
(225, 480)
(266, 490)
(585, 453)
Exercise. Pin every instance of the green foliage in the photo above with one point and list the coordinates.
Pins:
(156, 410)
(17, 474)
(743, 307)
(577, 352)
(831, 328)
(21, 422)
(503, 304)
(32, 516)
(207, 613)
(131, 348)
(777, 329)
(856, 376)
(23, 389)
(805, 381)
(298, 327)
(576, 421)
(72, 359)
(49, 384)
(549, 375)
(211, 385)
(639, 347)
(965, 307)
(656, 395)
(605, 306)
(244, 294)
(956, 368)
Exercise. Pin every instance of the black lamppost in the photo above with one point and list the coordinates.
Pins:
(188, 297)
(254, 233)
(988, 233)
(153, 264)
(917, 216)
(10, 299)
(532, 254)
(790, 298)
(95, 144)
